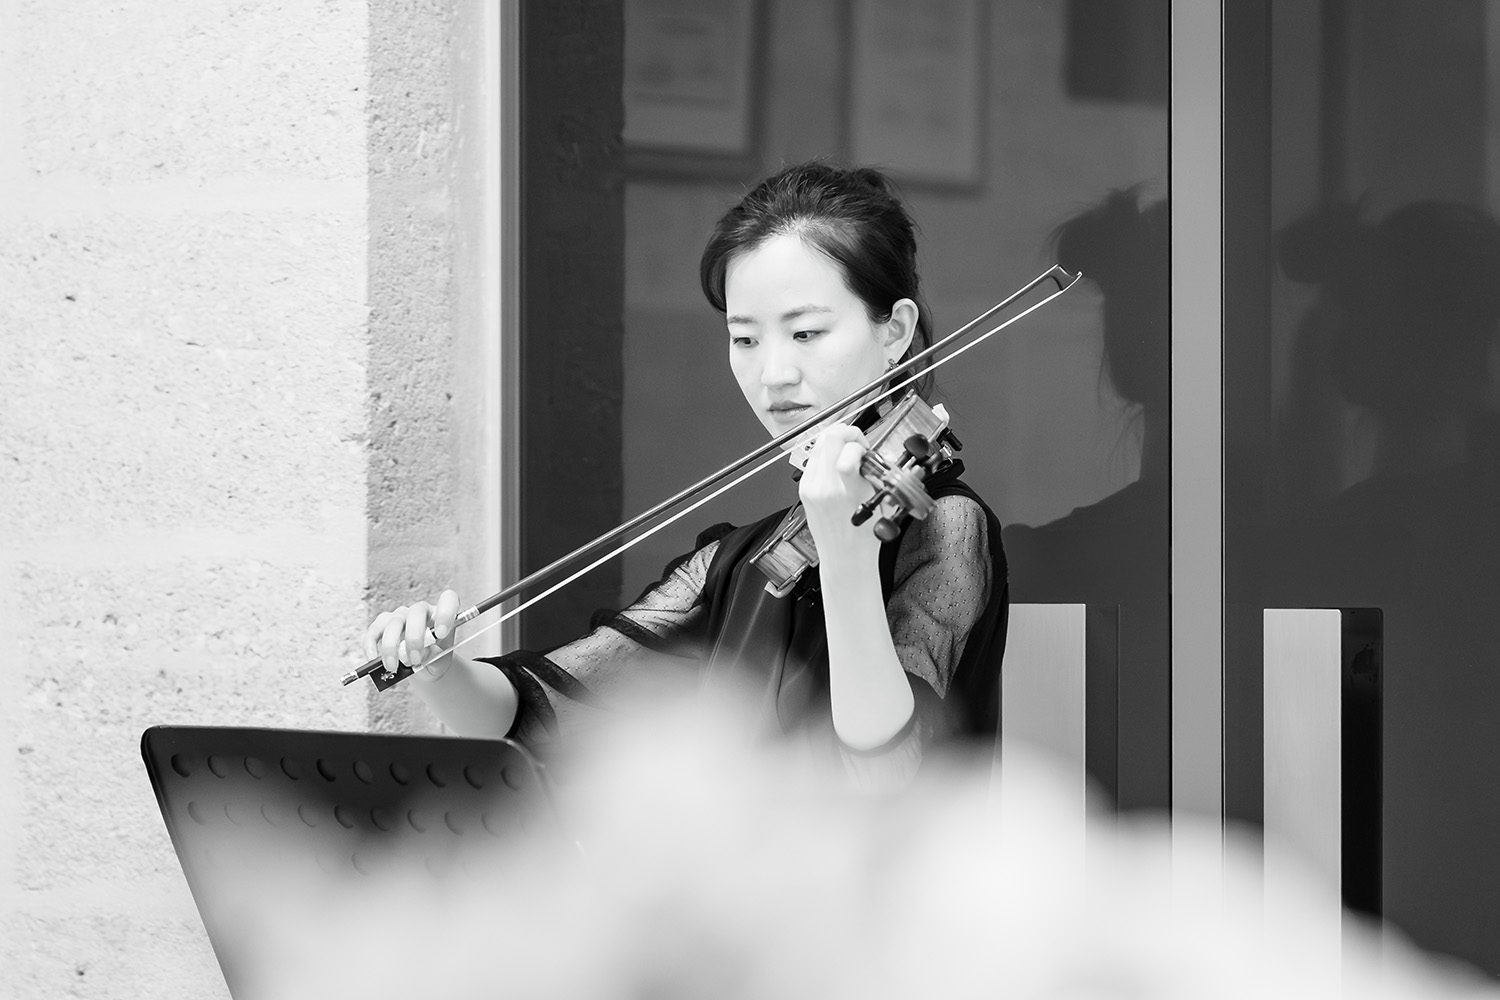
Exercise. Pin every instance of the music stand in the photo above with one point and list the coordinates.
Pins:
(253, 813)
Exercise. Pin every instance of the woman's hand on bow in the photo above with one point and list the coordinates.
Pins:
(401, 636)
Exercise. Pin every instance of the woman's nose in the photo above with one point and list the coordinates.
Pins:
(780, 368)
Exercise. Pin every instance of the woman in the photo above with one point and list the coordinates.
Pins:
(880, 651)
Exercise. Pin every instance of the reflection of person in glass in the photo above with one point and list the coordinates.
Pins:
(1403, 328)
(1404, 322)
(1113, 553)
(883, 648)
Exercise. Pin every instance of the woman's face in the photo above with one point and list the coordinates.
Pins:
(799, 339)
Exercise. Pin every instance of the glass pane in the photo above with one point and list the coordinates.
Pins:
(1019, 133)
(1363, 444)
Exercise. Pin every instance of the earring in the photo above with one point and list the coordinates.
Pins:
(891, 363)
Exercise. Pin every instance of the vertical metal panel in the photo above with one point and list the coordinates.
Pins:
(1197, 409)
(1303, 735)
(1042, 700)
(571, 214)
(507, 273)
(1043, 705)
(1249, 157)
(1101, 698)
(479, 298)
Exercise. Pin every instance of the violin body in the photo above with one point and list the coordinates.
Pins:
(910, 441)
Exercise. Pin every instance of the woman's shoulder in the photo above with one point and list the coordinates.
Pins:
(960, 526)
(956, 504)
(948, 483)
(953, 518)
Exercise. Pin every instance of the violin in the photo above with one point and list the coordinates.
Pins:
(896, 476)
(908, 443)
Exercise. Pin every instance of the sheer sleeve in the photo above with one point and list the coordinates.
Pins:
(942, 583)
(626, 655)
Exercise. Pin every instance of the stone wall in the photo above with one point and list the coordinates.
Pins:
(225, 260)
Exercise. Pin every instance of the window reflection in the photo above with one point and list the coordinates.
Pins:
(1401, 517)
(1113, 552)
(1061, 413)
(1363, 450)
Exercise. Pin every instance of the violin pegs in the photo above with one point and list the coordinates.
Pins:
(918, 447)
(886, 530)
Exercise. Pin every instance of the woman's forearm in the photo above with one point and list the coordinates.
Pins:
(870, 693)
(471, 699)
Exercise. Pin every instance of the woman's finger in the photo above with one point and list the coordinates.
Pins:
(829, 445)
(446, 616)
(418, 617)
(372, 635)
(835, 436)
(850, 456)
(390, 639)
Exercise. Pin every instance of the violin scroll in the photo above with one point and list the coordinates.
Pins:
(902, 484)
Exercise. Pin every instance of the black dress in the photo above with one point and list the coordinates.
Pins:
(709, 617)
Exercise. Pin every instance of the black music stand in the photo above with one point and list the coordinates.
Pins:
(254, 811)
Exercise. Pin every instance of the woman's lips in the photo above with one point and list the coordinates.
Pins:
(789, 413)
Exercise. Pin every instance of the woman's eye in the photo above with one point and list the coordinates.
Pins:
(805, 334)
(742, 341)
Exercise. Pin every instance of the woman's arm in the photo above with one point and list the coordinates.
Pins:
(471, 699)
(871, 695)
(943, 582)
(537, 698)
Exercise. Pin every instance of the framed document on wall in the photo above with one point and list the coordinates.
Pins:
(917, 89)
(690, 85)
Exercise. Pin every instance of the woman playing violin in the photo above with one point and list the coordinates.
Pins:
(883, 649)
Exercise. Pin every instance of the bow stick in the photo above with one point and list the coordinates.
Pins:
(894, 380)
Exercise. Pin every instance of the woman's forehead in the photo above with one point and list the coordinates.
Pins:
(779, 269)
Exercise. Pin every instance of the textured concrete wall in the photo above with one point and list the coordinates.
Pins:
(412, 542)
(433, 380)
(484, 71)
(183, 437)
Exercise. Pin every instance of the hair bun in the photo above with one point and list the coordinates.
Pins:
(872, 178)
(1117, 242)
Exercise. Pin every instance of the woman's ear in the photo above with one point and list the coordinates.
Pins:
(900, 328)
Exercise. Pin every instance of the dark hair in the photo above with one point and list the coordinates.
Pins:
(853, 217)
(1420, 291)
(1124, 248)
